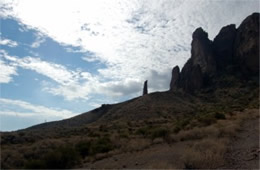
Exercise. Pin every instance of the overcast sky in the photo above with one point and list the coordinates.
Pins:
(61, 58)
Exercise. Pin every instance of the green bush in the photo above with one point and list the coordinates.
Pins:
(207, 119)
(101, 145)
(176, 129)
(160, 132)
(83, 148)
(64, 157)
(220, 116)
(181, 124)
(124, 134)
(60, 158)
(143, 131)
(35, 164)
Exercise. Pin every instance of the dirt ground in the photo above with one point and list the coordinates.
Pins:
(244, 150)
(157, 156)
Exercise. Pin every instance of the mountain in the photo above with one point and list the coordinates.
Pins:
(192, 125)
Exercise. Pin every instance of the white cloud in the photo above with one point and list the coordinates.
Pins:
(7, 71)
(38, 41)
(25, 109)
(8, 42)
(71, 84)
(56, 72)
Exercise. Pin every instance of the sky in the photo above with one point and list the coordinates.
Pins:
(59, 58)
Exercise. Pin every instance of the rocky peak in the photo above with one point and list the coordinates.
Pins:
(175, 78)
(246, 45)
(201, 51)
(145, 90)
(199, 33)
(223, 46)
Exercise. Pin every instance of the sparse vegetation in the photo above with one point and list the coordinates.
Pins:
(205, 154)
(62, 157)
(209, 119)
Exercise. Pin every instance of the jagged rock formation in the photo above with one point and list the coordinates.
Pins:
(145, 91)
(232, 50)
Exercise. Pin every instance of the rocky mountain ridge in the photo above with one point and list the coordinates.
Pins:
(232, 51)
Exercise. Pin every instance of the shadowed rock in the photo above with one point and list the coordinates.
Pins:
(191, 77)
(223, 46)
(175, 78)
(145, 91)
(246, 46)
(201, 52)
(233, 50)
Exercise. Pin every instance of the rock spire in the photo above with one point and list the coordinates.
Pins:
(145, 90)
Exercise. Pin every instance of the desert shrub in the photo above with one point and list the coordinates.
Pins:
(176, 129)
(220, 116)
(83, 147)
(101, 145)
(103, 128)
(181, 124)
(21, 133)
(205, 154)
(123, 134)
(11, 158)
(207, 119)
(63, 157)
(93, 134)
(143, 131)
(35, 164)
(159, 132)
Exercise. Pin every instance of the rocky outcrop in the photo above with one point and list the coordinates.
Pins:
(201, 52)
(201, 64)
(175, 78)
(233, 50)
(145, 90)
(246, 46)
(223, 46)
(191, 77)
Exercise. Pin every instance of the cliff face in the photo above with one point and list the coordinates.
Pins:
(232, 50)
(201, 52)
(246, 45)
(223, 46)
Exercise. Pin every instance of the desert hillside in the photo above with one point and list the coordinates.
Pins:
(209, 117)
